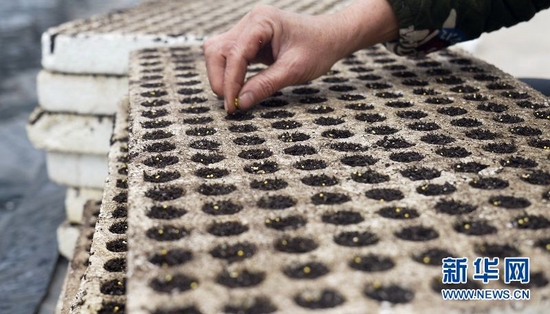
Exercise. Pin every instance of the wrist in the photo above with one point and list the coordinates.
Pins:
(365, 23)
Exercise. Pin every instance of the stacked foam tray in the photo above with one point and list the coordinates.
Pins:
(96, 277)
(341, 195)
(84, 77)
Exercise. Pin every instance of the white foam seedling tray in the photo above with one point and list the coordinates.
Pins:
(67, 235)
(75, 200)
(77, 170)
(102, 44)
(82, 94)
(79, 260)
(102, 288)
(70, 133)
(343, 194)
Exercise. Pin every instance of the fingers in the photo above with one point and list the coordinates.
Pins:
(228, 56)
(245, 51)
(215, 50)
(267, 82)
(215, 66)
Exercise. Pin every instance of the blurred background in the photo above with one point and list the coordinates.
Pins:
(31, 207)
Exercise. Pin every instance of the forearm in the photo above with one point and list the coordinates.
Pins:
(429, 25)
(366, 23)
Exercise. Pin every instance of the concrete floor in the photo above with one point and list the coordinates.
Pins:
(50, 301)
(27, 199)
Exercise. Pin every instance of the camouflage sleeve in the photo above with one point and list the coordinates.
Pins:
(430, 25)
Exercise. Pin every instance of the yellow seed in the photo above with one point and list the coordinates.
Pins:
(397, 210)
(168, 278)
(355, 239)
(194, 285)
(164, 206)
(357, 260)
(466, 226)
(268, 221)
(236, 103)
(307, 270)
(426, 260)
(240, 253)
(234, 274)
(119, 283)
(161, 231)
(116, 309)
(216, 207)
(406, 215)
(520, 221)
(547, 247)
(377, 285)
(284, 242)
(163, 252)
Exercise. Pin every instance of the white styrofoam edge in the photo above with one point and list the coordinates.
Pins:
(67, 235)
(77, 170)
(66, 132)
(108, 53)
(75, 200)
(82, 94)
(100, 53)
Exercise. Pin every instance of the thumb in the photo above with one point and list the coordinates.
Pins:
(265, 84)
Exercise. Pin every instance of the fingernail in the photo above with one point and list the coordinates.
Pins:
(246, 100)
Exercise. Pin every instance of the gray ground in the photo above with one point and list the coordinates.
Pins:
(31, 207)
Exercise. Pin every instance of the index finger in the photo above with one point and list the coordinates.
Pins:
(244, 51)
(215, 66)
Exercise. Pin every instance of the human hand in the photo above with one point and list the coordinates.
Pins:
(297, 48)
